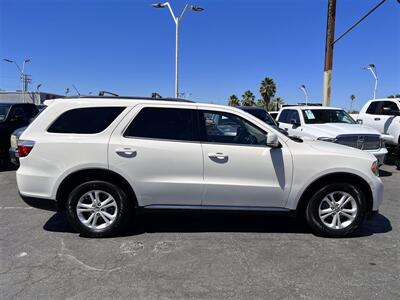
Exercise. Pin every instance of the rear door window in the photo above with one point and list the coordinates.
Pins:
(164, 123)
(88, 120)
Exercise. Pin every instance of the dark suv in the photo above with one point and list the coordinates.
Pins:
(13, 116)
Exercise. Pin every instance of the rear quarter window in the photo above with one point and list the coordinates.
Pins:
(88, 120)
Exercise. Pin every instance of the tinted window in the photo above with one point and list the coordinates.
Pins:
(164, 123)
(225, 128)
(283, 116)
(373, 108)
(293, 115)
(388, 104)
(4, 109)
(85, 120)
(321, 116)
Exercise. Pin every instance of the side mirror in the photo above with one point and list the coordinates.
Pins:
(272, 140)
(294, 122)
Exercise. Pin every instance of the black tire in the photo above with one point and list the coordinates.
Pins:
(123, 213)
(312, 210)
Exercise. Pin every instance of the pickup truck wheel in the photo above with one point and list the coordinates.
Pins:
(97, 209)
(336, 210)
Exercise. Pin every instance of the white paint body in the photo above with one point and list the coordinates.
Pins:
(329, 130)
(177, 173)
(388, 126)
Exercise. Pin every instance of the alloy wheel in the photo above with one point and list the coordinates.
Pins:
(97, 209)
(338, 210)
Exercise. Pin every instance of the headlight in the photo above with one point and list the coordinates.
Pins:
(375, 168)
(327, 139)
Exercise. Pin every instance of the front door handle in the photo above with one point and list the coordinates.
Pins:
(126, 152)
(377, 119)
(218, 155)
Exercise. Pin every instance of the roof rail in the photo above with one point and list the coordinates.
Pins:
(302, 104)
(130, 98)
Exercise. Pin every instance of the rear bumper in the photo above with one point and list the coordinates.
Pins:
(34, 185)
(13, 157)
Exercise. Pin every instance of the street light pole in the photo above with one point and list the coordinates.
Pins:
(303, 88)
(372, 68)
(24, 77)
(177, 21)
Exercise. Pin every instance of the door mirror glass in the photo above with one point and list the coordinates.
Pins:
(273, 141)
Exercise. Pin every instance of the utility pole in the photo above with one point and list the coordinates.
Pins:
(330, 36)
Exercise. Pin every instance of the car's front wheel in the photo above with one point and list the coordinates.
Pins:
(97, 209)
(336, 210)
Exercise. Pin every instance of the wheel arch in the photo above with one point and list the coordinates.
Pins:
(331, 178)
(80, 176)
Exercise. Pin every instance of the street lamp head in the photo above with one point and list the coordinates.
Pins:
(27, 60)
(8, 60)
(196, 8)
(303, 86)
(158, 5)
(372, 66)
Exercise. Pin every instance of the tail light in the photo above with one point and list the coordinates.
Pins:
(24, 147)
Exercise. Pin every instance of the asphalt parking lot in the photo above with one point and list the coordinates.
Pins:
(206, 256)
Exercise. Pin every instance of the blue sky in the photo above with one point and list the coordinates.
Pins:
(127, 47)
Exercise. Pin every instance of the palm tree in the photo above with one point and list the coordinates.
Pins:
(267, 90)
(248, 98)
(233, 101)
(352, 98)
(275, 104)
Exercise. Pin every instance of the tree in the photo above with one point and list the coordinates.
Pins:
(275, 104)
(248, 98)
(352, 98)
(233, 101)
(394, 96)
(267, 90)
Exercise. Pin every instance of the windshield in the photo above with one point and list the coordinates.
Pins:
(262, 115)
(322, 116)
(4, 109)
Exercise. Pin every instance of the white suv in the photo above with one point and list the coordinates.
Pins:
(102, 158)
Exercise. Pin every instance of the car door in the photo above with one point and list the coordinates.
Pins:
(239, 169)
(158, 150)
(291, 122)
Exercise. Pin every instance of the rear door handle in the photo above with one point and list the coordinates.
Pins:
(377, 119)
(126, 152)
(218, 155)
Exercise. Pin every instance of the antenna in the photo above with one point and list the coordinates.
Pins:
(76, 90)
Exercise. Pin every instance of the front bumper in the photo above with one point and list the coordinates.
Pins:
(377, 192)
(379, 154)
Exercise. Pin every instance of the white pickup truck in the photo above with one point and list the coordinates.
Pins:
(331, 125)
(384, 116)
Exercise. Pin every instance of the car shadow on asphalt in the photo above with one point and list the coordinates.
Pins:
(198, 222)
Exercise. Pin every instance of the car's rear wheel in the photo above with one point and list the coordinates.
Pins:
(336, 210)
(97, 209)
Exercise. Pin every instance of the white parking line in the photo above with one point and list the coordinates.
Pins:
(15, 207)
